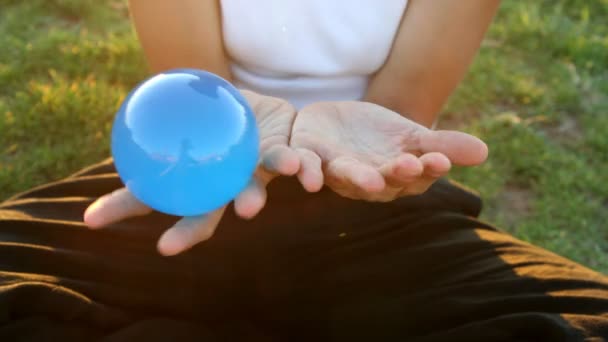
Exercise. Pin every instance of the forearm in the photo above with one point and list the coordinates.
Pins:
(181, 34)
(436, 43)
(414, 99)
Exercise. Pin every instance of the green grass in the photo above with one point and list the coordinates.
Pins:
(537, 93)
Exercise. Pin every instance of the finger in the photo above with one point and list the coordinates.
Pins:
(113, 207)
(435, 165)
(310, 174)
(461, 148)
(402, 170)
(249, 202)
(189, 231)
(350, 170)
(281, 159)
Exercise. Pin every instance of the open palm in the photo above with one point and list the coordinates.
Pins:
(365, 151)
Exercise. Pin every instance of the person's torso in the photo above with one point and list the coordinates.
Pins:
(309, 50)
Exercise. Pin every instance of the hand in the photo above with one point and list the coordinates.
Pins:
(365, 151)
(274, 119)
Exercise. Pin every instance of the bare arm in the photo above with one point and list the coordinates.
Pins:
(180, 34)
(435, 45)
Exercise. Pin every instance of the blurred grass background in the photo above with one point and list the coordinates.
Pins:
(537, 94)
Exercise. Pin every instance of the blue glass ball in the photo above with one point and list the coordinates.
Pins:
(185, 142)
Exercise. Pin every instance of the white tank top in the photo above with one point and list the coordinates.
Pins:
(309, 50)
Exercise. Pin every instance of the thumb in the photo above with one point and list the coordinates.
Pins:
(461, 148)
(114, 207)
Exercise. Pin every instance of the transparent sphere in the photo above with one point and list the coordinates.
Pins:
(185, 142)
